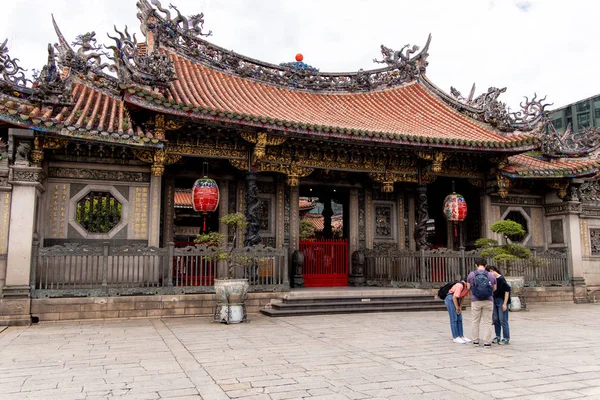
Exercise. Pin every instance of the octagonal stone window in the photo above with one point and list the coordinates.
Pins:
(98, 212)
(522, 218)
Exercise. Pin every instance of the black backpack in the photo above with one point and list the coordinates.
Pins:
(443, 292)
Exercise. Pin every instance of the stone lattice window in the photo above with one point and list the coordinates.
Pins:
(98, 212)
(595, 241)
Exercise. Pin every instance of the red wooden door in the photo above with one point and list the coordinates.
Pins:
(325, 262)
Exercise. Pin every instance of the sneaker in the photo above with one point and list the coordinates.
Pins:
(476, 343)
(466, 339)
(496, 340)
(504, 341)
(459, 340)
(487, 345)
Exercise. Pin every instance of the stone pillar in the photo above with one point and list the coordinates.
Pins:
(575, 254)
(154, 217)
(294, 219)
(400, 220)
(369, 219)
(15, 306)
(5, 200)
(252, 204)
(486, 216)
(411, 221)
(169, 212)
(223, 206)
(280, 225)
(353, 221)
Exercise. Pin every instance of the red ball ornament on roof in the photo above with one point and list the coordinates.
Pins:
(299, 57)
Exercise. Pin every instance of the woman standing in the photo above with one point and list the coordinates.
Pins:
(453, 302)
(500, 315)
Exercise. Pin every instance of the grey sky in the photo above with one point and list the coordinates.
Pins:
(543, 46)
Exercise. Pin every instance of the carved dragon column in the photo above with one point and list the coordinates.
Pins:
(252, 204)
(422, 214)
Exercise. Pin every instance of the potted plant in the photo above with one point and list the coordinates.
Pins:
(506, 254)
(230, 292)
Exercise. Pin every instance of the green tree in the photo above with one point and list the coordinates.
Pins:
(307, 230)
(506, 252)
(222, 249)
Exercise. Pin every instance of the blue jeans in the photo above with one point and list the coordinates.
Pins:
(500, 318)
(456, 325)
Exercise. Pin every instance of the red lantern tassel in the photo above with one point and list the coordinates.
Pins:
(455, 230)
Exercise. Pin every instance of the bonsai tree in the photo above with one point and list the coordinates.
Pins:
(307, 230)
(510, 230)
(218, 242)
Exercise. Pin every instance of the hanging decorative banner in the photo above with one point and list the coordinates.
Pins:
(455, 209)
(205, 197)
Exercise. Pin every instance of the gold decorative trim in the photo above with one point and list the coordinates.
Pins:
(560, 187)
(503, 185)
(261, 140)
(293, 171)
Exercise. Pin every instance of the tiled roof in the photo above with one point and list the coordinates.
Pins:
(93, 114)
(183, 198)
(532, 166)
(409, 114)
(307, 205)
(318, 221)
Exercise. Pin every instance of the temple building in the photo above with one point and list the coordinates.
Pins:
(101, 153)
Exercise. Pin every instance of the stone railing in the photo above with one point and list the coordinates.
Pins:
(432, 268)
(81, 270)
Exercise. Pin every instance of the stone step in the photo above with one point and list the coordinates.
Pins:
(346, 304)
(272, 312)
(354, 298)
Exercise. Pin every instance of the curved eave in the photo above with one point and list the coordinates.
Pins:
(93, 115)
(525, 166)
(159, 103)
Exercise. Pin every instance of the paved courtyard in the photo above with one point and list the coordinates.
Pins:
(554, 354)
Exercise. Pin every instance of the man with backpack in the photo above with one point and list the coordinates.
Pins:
(482, 285)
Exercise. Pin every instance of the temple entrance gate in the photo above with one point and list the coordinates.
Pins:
(325, 262)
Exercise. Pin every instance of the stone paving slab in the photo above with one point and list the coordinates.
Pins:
(553, 355)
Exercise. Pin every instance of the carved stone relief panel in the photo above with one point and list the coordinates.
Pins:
(595, 241)
(139, 223)
(5, 198)
(57, 209)
(557, 235)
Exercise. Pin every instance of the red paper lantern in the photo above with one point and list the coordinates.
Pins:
(455, 209)
(205, 197)
(299, 57)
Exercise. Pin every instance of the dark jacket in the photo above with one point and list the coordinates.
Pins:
(502, 287)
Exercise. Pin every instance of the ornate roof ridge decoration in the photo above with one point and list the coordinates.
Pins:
(10, 71)
(488, 109)
(529, 166)
(133, 66)
(568, 144)
(49, 88)
(175, 33)
(88, 57)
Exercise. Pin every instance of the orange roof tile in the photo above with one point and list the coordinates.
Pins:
(94, 113)
(527, 165)
(318, 221)
(407, 114)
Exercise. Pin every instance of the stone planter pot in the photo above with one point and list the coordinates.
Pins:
(517, 283)
(231, 296)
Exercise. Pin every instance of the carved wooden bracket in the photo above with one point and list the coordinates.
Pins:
(37, 154)
(158, 158)
(503, 185)
(161, 126)
(388, 178)
(560, 186)
(437, 158)
(261, 140)
(293, 171)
